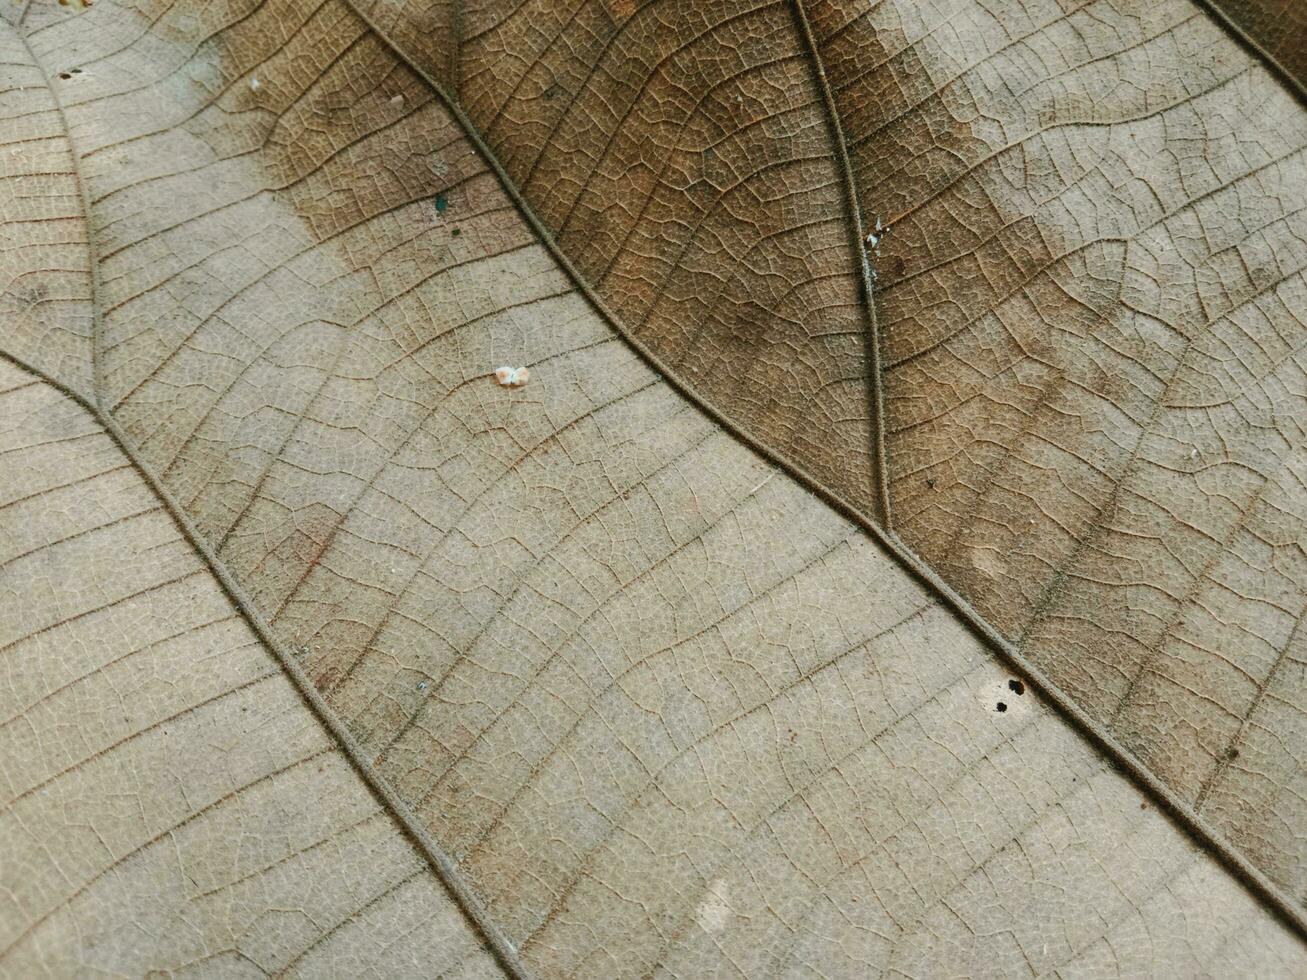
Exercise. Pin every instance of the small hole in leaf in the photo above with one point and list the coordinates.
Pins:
(1001, 707)
(1016, 687)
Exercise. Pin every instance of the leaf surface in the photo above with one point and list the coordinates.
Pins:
(1092, 312)
(1088, 320)
(1274, 29)
(665, 708)
(167, 801)
(680, 155)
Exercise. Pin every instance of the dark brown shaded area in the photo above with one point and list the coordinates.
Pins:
(680, 154)
(1276, 28)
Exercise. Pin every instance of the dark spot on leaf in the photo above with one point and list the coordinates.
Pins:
(456, 232)
(442, 202)
(1016, 687)
(930, 482)
(1233, 753)
(1001, 707)
(65, 75)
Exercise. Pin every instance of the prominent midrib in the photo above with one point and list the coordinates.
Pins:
(1296, 85)
(874, 372)
(446, 870)
(1207, 836)
(496, 941)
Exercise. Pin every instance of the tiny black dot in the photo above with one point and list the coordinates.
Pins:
(65, 75)
(931, 483)
(1001, 706)
(1233, 753)
(456, 232)
(77, 71)
(1016, 687)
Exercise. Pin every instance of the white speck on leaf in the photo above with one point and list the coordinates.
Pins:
(255, 84)
(988, 562)
(714, 912)
(512, 377)
(877, 235)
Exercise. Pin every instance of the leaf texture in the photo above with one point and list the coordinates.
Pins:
(167, 802)
(679, 153)
(1090, 320)
(1275, 29)
(1092, 310)
(667, 710)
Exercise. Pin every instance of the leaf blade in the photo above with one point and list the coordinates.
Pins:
(533, 496)
(161, 774)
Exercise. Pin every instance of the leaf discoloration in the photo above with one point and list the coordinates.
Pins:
(667, 709)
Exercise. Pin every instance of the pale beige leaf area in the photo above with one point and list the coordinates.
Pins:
(168, 801)
(326, 654)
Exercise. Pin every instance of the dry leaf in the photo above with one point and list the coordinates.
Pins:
(896, 563)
